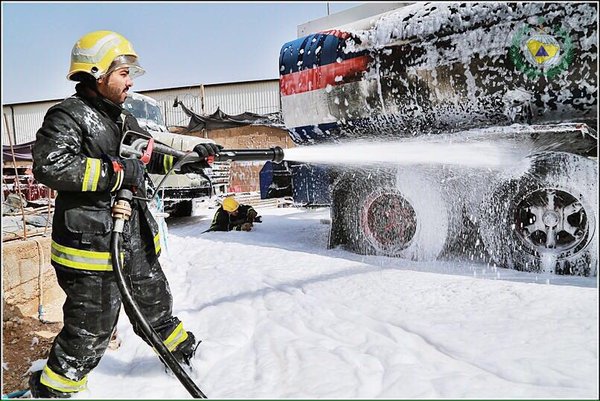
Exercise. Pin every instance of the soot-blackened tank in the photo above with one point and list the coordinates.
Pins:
(522, 72)
(443, 66)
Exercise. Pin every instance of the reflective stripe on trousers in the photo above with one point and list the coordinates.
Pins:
(60, 383)
(178, 336)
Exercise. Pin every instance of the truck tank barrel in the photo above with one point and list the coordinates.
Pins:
(430, 68)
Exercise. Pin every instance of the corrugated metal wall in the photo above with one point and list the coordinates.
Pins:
(166, 98)
(260, 97)
(255, 97)
(27, 119)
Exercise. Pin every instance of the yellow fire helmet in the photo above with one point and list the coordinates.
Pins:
(101, 52)
(230, 205)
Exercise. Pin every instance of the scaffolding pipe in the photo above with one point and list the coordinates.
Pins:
(41, 312)
(18, 183)
(49, 210)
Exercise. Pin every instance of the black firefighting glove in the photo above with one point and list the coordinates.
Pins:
(207, 149)
(251, 216)
(204, 150)
(133, 173)
(126, 173)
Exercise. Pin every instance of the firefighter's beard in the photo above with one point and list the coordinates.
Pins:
(114, 88)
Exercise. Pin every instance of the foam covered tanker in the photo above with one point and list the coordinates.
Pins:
(523, 74)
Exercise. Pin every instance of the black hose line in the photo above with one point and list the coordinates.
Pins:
(274, 154)
(151, 335)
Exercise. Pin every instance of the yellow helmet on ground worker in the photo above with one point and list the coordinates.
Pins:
(230, 205)
(101, 52)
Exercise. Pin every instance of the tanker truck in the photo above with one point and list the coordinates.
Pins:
(523, 74)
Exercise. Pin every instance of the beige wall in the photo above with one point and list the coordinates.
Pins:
(22, 263)
(245, 175)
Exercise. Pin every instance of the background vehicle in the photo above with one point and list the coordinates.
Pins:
(523, 74)
(179, 191)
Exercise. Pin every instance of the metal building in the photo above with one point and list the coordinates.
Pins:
(22, 120)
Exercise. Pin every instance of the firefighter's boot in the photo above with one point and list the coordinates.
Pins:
(39, 390)
(186, 350)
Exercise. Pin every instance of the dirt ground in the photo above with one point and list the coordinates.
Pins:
(24, 340)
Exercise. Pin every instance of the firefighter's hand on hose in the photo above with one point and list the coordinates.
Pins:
(251, 215)
(204, 150)
(246, 227)
(133, 173)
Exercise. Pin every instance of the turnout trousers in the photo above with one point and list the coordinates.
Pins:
(92, 307)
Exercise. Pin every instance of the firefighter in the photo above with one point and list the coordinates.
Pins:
(76, 153)
(233, 216)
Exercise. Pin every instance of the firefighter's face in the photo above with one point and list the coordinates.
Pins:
(234, 213)
(115, 85)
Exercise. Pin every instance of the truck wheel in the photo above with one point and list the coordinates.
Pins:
(182, 209)
(545, 221)
(401, 214)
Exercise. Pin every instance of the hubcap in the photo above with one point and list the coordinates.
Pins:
(551, 219)
(391, 221)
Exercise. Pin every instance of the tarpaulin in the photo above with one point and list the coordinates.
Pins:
(22, 152)
(221, 120)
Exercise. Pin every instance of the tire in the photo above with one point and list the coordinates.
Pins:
(181, 209)
(545, 221)
(397, 213)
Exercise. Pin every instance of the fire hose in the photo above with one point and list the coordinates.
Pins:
(142, 148)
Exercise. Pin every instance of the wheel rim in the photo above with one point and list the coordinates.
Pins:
(551, 220)
(390, 222)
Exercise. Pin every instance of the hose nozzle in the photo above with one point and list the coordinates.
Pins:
(274, 154)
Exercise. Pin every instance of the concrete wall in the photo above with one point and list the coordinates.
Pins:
(22, 262)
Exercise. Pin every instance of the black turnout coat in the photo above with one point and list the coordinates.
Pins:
(72, 155)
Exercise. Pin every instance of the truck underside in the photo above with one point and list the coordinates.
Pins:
(517, 73)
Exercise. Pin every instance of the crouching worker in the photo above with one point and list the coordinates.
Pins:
(233, 216)
(77, 153)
